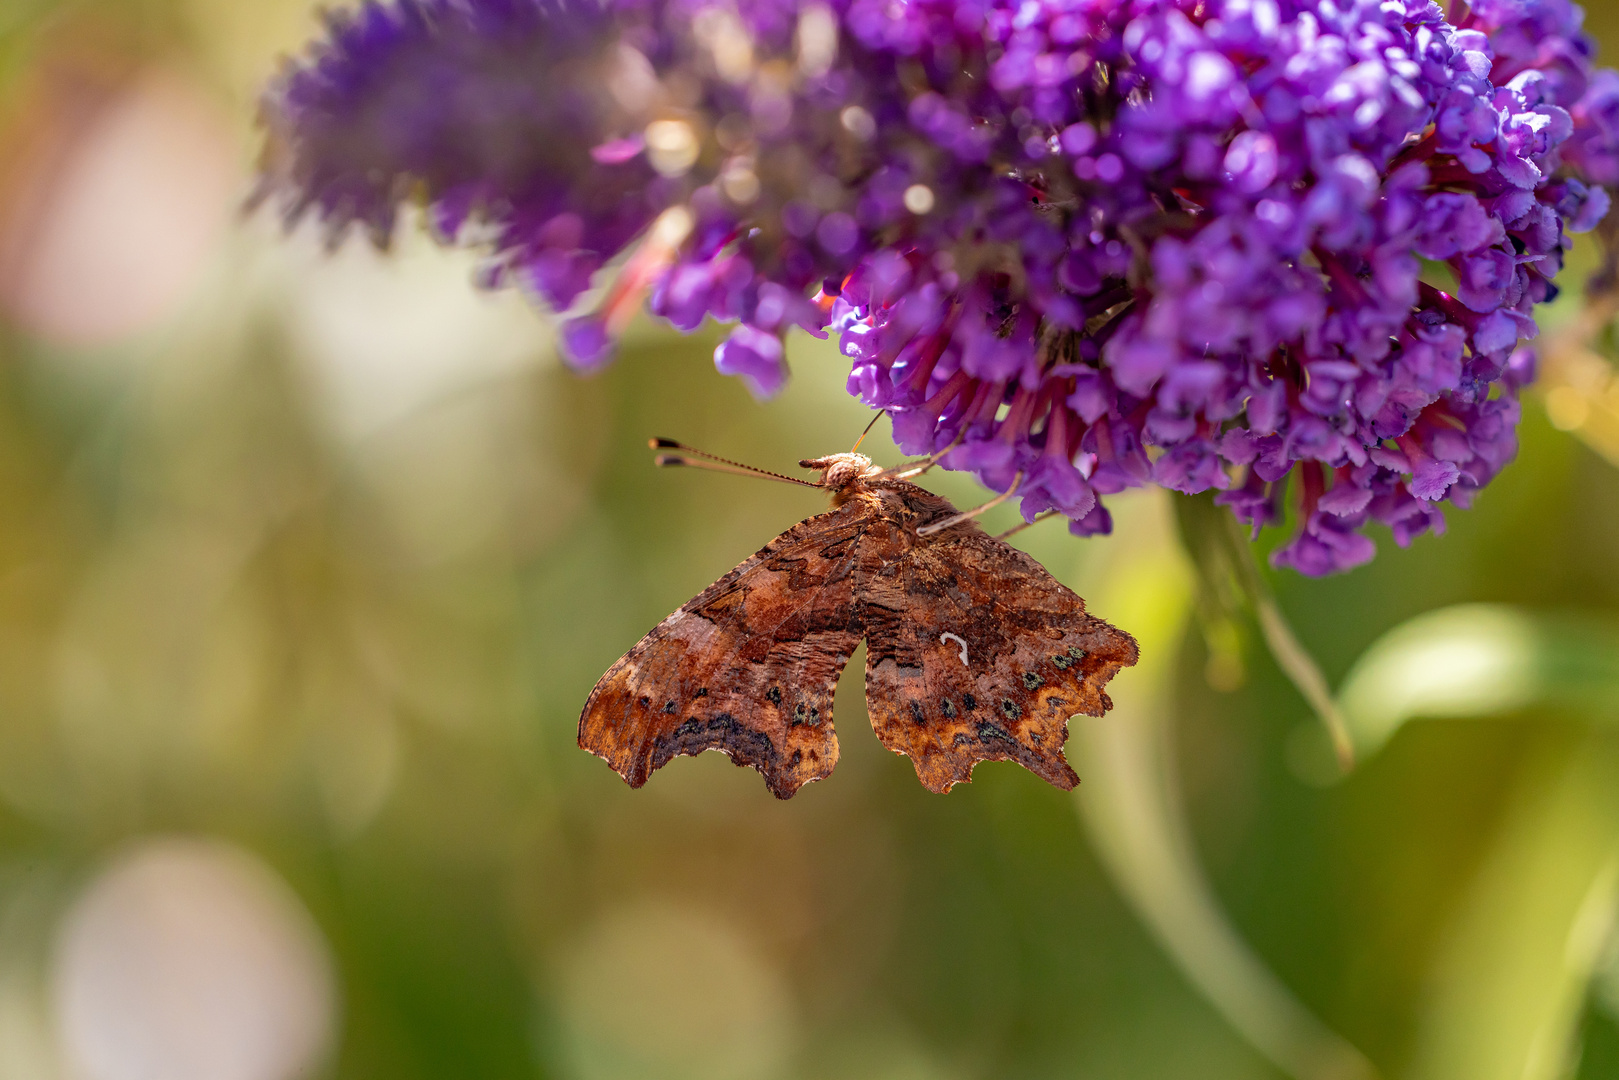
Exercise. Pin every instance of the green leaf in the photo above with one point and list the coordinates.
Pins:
(1131, 804)
(1229, 581)
(1505, 997)
(1478, 660)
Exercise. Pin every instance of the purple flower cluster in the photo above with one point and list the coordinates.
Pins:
(1076, 246)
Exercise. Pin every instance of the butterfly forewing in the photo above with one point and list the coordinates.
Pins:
(974, 652)
(748, 667)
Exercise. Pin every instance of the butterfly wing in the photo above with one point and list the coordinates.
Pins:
(974, 652)
(748, 667)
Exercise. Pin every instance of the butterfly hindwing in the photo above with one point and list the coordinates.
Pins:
(974, 652)
(748, 667)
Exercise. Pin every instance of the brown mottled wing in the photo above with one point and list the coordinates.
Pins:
(748, 667)
(974, 652)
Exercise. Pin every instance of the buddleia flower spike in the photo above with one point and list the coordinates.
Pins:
(1094, 245)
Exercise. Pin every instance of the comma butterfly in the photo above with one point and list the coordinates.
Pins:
(973, 651)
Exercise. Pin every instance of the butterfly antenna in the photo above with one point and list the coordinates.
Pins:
(714, 463)
(866, 432)
(968, 515)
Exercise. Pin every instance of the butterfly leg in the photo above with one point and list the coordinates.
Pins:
(1014, 530)
(968, 515)
(917, 468)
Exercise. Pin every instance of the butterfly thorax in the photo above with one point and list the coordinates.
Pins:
(908, 507)
(853, 477)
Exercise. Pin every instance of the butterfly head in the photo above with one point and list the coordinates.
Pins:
(838, 471)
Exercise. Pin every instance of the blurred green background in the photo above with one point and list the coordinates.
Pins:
(308, 560)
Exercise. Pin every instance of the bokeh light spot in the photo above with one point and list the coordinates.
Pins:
(191, 960)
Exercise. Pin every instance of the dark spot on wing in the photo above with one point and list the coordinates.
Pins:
(773, 695)
(1031, 680)
(1011, 709)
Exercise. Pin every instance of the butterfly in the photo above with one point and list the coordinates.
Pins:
(974, 652)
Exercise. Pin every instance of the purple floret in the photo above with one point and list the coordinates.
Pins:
(1076, 246)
